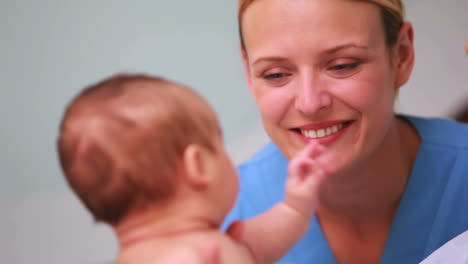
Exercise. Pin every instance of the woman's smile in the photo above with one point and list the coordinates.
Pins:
(324, 133)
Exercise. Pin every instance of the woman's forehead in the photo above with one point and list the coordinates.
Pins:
(276, 24)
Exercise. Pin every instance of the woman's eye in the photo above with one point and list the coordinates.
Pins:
(274, 76)
(344, 70)
(342, 67)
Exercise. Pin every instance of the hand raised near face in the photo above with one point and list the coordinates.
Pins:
(306, 172)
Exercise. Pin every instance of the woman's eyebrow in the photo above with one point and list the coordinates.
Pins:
(268, 59)
(327, 51)
(345, 46)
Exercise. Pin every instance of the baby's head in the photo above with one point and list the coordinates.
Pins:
(122, 142)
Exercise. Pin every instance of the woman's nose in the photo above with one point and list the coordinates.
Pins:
(312, 98)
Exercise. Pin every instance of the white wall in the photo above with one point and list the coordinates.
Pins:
(50, 49)
(440, 78)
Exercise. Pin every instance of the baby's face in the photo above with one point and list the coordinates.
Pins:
(227, 185)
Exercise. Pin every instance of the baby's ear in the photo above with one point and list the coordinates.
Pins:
(197, 163)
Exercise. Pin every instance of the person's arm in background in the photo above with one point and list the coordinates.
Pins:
(272, 234)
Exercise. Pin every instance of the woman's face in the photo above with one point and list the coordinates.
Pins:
(321, 71)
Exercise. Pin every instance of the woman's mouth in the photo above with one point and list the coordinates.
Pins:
(322, 132)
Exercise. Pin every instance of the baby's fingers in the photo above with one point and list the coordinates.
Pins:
(312, 172)
(305, 169)
(312, 150)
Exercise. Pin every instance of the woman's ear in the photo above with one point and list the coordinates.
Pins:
(404, 54)
(197, 164)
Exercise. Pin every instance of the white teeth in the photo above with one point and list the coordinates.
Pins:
(312, 133)
(323, 132)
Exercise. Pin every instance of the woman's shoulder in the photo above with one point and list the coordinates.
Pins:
(266, 153)
(267, 159)
(261, 182)
(441, 131)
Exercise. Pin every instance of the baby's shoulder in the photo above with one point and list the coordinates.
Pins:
(159, 252)
(197, 247)
(156, 251)
(231, 251)
(176, 253)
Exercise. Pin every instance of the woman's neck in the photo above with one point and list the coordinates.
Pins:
(372, 191)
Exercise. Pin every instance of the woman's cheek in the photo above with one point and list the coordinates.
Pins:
(363, 92)
(274, 103)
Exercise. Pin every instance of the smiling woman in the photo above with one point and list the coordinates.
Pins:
(328, 72)
(293, 70)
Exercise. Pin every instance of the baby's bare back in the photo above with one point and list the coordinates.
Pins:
(188, 248)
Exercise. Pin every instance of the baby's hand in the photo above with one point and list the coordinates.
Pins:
(305, 173)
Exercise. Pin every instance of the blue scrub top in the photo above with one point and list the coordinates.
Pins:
(433, 209)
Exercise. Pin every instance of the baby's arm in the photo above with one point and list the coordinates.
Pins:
(271, 234)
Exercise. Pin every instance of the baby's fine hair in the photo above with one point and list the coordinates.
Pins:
(121, 141)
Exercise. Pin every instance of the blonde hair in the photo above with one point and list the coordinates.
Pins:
(392, 12)
(121, 141)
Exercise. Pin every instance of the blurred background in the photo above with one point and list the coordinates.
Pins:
(50, 49)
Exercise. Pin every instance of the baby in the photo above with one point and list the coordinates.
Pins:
(146, 156)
